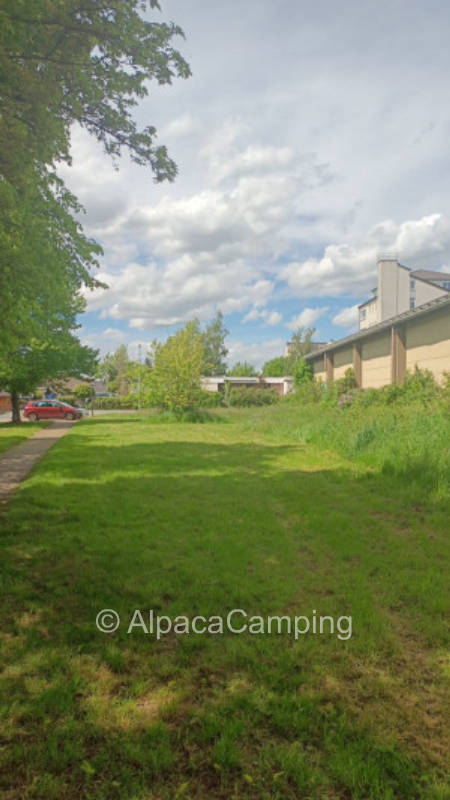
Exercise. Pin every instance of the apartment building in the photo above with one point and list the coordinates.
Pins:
(400, 289)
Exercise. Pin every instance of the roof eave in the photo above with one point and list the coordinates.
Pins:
(425, 308)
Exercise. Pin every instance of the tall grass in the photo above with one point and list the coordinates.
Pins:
(401, 431)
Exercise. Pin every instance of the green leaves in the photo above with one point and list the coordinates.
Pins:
(177, 368)
(62, 63)
(242, 369)
(214, 345)
(89, 63)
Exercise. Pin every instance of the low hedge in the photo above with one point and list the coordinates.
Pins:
(252, 396)
(129, 401)
(210, 399)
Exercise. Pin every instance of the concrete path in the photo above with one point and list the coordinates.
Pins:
(18, 461)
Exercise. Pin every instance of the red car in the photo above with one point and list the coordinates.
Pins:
(50, 409)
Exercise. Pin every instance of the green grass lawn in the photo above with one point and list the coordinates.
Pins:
(15, 434)
(192, 519)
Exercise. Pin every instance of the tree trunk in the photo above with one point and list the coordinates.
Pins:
(15, 408)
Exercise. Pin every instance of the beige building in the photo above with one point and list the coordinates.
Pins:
(383, 351)
(400, 289)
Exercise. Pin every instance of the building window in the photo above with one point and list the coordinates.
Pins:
(363, 313)
(412, 303)
(412, 283)
(446, 284)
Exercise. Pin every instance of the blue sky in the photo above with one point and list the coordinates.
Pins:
(310, 138)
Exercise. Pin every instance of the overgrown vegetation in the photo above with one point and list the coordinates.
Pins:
(247, 396)
(402, 430)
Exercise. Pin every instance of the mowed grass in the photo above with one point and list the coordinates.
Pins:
(15, 434)
(191, 519)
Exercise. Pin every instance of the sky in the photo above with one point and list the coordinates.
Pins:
(311, 138)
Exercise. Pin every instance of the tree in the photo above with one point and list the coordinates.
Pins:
(138, 376)
(276, 367)
(41, 343)
(56, 355)
(62, 63)
(81, 61)
(113, 369)
(299, 346)
(214, 347)
(43, 255)
(242, 369)
(177, 369)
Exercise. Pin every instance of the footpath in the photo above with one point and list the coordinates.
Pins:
(17, 462)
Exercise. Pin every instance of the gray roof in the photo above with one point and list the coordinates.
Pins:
(430, 275)
(426, 308)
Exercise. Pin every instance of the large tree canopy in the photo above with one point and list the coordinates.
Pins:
(85, 61)
(64, 62)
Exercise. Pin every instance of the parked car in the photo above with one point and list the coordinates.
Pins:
(50, 409)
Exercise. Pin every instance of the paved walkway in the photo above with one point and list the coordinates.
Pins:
(18, 461)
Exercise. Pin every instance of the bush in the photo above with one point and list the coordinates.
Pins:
(252, 396)
(82, 392)
(347, 383)
(210, 399)
(303, 373)
(109, 403)
(309, 392)
(417, 386)
(69, 399)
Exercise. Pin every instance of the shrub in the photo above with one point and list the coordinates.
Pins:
(210, 399)
(83, 391)
(109, 403)
(309, 391)
(347, 383)
(418, 386)
(252, 396)
(303, 373)
(69, 399)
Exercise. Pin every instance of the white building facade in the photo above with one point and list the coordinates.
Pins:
(400, 289)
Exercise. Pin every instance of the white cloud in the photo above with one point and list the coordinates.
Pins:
(351, 269)
(112, 333)
(180, 126)
(256, 353)
(108, 340)
(250, 196)
(252, 161)
(271, 318)
(151, 297)
(347, 317)
(306, 318)
(212, 249)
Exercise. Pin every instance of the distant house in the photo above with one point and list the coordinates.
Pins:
(67, 386)
(217, 383)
